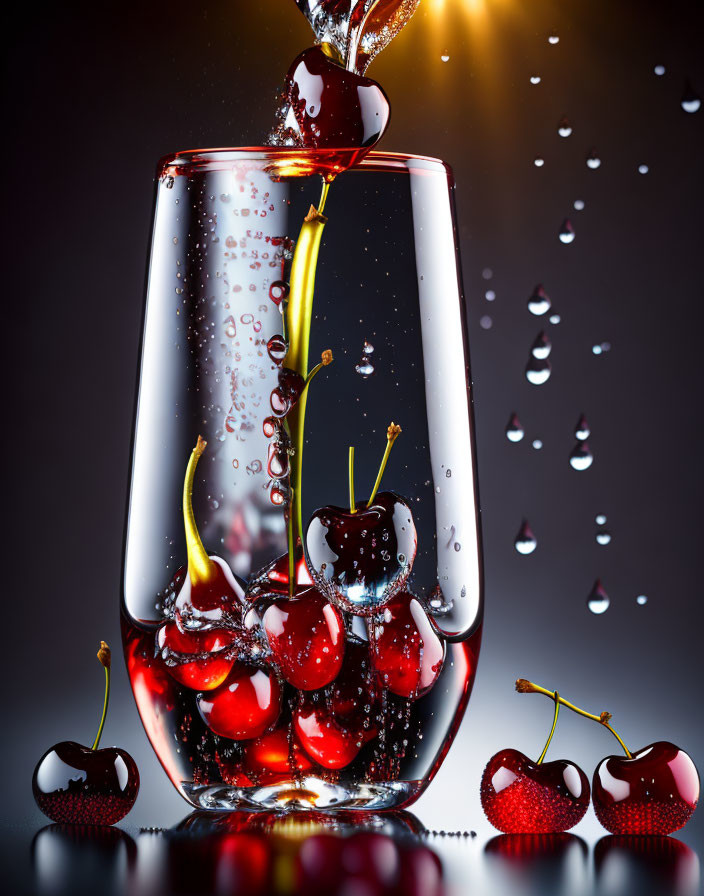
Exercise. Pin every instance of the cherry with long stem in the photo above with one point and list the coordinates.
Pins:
(104, 657)
(392, 433)
(552, 730)
(523, 686)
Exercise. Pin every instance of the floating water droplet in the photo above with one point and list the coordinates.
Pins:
(485, 322)
(537, 371)
(598, 600)
(553, 38)
(445, 57)
(537, 444)
(659, 70)
(564, 128)
(525, 541)
(581, 429)
(603, 537)
(539, 301)
(691, 101)
(541, 347)
(579, 204)
(566, 233)
(538, 161)
(555, 319)
(514, 429)
(535, 79)
(490, 295)
(643, 169)
(365, 367)
(367, 348)
(601, 347)
(600, 519)
(487, 273)
(642, 599)
(581, 457)
(593, 160)
(220, 435)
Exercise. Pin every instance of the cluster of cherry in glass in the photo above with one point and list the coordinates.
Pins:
(236, 648)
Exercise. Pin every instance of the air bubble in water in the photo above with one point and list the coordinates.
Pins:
(642, 599)
(541, 347)
(691, 101)
(643, 169)
(514, 429)
(581, 429)
(525, 541)
(600, 519)
(593, 160)
(579, 204)
(485, 322)
(365, 367)
(598, 600)
(535, 79)
(537, 371)
(659, 70)
(581, 457)
(538, 161)
(539, 301)
(566, 233)
(564, 128)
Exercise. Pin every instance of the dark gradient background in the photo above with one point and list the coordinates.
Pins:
(95, 94)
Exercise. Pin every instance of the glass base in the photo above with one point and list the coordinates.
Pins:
(305, 793)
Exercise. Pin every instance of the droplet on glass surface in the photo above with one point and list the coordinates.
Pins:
(541, 347)
(566, 233)
(581, 457)
(555, 319)
(598, 600)
(539, 301)
(278, 291)
(514, 429)
(367, 348)
(535, 79)
(691, 101)
(593, 160)
(579, 204)
(564, 128)
(365, 368)
(277, 348)
(537, 444)
(600, 519)
(538, 161)
(490, 295)
(659, 70)
(537, 371)
(643, 169)
(642, 599)
(525, 541)
(485, 322)
(581, 429)
(603, 537)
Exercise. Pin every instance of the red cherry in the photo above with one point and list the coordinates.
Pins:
(654, 792)
(421, 873)
(318, 864)
(209, 667)
(273, 579)
(277, 751)
(212, 603)
(356, 686)
(244, 706)
(306, 635)
(333, 107)
(406, 651)
(232, 773)
(521, 797)
(329, 743)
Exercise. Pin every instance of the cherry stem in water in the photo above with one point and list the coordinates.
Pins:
(104, 657)
(523, 686)
(200, 566)
(353, 509)
(392, 433)
(552, 730)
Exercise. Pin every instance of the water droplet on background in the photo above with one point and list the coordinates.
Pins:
(485, 322)
(601, 347)
(445, 57)
(277, 348)
(539, 301)
(555, 319)
(564, 128)
(525, 541)
(553, 39)
(537, 371)
(593, 160)
(514, 429)
(642, 599)
(581, 457)
(600, 519)
(603, 537)
(579, 204)
(537, 444)
(598, 600)
(487, 273)
(691, 102)
(581, 429)
(367, 348)
(643, 169)
(490, 295)
(535, 79)
(567, 233)
(541, 347)
(538, 161)
(659, 70)
(365, 368)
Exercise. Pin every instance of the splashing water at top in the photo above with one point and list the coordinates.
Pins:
(598, 600)
(581, 457)
(514, 429)
(525, 541)
(566, 233)
(539, 301)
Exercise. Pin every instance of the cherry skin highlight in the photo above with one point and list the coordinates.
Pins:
(277, 751)
(245, 705)
(654, 792)
(406, 652)
(306, 635)
(521, 797)
(212, 603)
(77, 785)
(325, 740)
(210, 665)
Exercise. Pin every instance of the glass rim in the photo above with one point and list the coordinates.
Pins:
(283, 159)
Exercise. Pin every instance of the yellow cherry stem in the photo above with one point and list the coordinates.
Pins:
(350, 473)
(104, 657)
(552, 730)
(392, 433)
(200, 566)
(523, 686)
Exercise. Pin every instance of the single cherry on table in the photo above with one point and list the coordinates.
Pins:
(86, 785)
